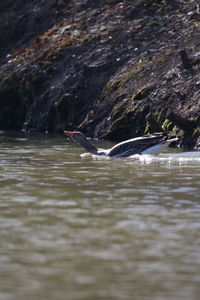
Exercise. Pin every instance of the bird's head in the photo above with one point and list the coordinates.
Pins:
(76, 135)
(81, 139)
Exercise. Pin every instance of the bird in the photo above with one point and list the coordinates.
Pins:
(147, 144)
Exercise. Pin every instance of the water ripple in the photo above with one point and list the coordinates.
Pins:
(95, 228)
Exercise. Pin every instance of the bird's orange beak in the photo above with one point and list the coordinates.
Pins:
(69, 133)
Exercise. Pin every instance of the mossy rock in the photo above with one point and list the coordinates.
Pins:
(143, 92)
(147, 128)
(196, 133)
(167, 125)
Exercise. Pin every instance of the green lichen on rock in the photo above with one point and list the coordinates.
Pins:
(196, 133)
(118, 110)
(143, 92)
(147, 128)
(118, 82)
(167, 125)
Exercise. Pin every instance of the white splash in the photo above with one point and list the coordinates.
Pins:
(170, 158)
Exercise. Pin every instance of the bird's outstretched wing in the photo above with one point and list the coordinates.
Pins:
(135, 145)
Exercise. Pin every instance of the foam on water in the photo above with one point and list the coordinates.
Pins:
(174, 158)
(181, 157)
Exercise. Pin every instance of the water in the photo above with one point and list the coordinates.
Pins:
(82, 228)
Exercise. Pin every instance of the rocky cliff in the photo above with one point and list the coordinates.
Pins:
(112, 69)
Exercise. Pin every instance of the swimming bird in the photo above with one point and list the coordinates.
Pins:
(147, 144)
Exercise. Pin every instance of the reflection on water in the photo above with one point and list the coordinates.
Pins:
(76, 227)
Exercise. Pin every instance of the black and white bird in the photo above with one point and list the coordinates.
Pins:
(147, 144)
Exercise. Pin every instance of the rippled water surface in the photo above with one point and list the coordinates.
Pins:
(82, 228)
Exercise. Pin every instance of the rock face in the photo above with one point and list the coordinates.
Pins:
(112, 69)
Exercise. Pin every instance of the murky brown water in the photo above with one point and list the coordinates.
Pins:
(85, 229)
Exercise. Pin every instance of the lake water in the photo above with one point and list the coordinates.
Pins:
(81, 228)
